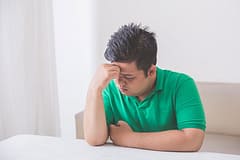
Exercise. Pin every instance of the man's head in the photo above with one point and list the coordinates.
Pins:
(133, 43)
(133, 49)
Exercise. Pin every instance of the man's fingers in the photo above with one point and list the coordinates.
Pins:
(118, 124)
(112, 126)
(113, 70)
(121, 123)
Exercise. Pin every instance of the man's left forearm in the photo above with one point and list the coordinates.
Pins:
(173, 140)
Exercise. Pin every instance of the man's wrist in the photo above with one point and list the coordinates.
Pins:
(96, 89)
(134, 140)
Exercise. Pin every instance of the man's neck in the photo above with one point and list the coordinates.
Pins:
(151, 88)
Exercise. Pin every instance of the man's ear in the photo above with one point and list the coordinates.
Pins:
(152, 70)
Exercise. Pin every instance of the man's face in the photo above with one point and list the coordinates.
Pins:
(133, 82)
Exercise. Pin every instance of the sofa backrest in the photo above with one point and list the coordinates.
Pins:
(221, 103)
(79, 125)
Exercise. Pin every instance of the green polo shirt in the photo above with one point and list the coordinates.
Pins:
(173, 104)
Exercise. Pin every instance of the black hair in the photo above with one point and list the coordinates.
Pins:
(133, 43)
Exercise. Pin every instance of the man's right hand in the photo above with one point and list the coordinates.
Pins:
(104, 74)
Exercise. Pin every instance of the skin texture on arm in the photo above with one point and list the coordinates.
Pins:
(189, 139)
(94, 121)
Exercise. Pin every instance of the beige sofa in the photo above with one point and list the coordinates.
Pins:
(222, 107)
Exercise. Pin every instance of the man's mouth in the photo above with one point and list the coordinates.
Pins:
(123, 89)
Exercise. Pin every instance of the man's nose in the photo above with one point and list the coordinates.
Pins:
(121, 81)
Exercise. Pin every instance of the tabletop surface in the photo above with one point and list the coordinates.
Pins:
(33, 147)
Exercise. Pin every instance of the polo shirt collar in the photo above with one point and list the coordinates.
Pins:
(159, 79)
(159, 83)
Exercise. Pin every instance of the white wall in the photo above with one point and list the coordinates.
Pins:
(200, 38)
(74, 47)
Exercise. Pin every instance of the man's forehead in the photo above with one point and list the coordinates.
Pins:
(126, 68)
(129, 72)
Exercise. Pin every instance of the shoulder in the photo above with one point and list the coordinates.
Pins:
(174, 79)
(176, 76)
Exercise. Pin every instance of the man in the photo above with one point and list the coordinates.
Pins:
(138, 104)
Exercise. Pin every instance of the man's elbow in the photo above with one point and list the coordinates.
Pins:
(198, 144)
(195, 140)
(195, 148)
(94, 138)
(95, 141)
(191, 147)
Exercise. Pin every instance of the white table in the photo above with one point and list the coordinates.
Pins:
(32, 147)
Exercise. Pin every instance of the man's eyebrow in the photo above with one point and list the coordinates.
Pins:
(127, 74)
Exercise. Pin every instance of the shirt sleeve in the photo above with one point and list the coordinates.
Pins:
(189, 109)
